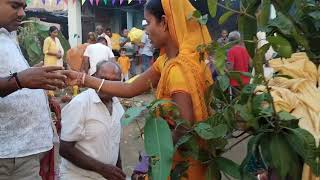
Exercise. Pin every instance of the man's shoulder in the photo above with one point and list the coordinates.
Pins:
(83, 98)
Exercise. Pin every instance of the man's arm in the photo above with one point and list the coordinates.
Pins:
(33, 78)
(78, 158)
(7, 86)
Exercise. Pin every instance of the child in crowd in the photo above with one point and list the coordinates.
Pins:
(124, 63)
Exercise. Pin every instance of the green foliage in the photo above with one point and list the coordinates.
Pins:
(213, 6)
(159, 146)
(131, 114)
(31, 37)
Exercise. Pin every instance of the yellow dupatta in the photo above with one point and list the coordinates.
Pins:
(188, 34)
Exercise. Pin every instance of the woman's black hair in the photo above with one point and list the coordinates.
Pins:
(155, 8)
(52, 28)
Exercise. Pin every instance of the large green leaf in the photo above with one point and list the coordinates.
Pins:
(281, 46)
(278, 153)
(264, 16)
(225, 17)
(224, 82)
(213, 172)
(131, 114)
(207, 132)
(304, 144)
(227, 166)
(285, 116)
(159, 146)
(212, 6)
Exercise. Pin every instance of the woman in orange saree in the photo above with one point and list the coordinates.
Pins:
(178, 74)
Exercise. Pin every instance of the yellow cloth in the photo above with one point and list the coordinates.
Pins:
(185, 72)
(135, 35)
(50, 45)
(124, 63)
(115, 40)
(299, 95)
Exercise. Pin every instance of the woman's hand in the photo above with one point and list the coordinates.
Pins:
(59, 55)
(73, 77)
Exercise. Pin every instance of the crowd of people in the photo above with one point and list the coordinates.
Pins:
(90, 124)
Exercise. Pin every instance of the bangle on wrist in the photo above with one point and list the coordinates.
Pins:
(83, 79)
(100, 86)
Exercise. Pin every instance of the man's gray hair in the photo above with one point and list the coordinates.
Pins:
(234, 36)
(101, 63)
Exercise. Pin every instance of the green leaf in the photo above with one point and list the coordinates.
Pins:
(236, 75)
(279, 159)
(203, 19)
(281, 46)
(282, 154)
(207, 132)
(158, 145)
(183, 140)
(131, 114)
(196, 14)
(225, 17)
(264, 16)
(192, 147)
(227, 166)
(213, 172)
(246, 114)
(304, 144)
(315, 15)
(224, 82)
(285, 116)
(179, 171)
(220, 60)
(248, 29)
(212, 6)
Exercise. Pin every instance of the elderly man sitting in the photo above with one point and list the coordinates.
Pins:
(91, 130)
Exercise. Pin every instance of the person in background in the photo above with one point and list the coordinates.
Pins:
(223, 40)
(124, 63)
(238, 59)
(178, 74)
(130, 50)
(91, 130)
(52, 48)
(53, 51)
(96, 53)
(25, 125)
(100, 33)
(75, 55)
(115, 41)
(146, 49)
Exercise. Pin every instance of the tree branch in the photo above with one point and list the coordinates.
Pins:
(235, 11)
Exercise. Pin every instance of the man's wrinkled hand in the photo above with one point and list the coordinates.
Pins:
(47, 78)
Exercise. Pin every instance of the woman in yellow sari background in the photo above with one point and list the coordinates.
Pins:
(52, 49)
(178, 74)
